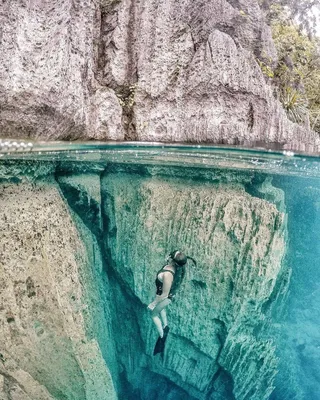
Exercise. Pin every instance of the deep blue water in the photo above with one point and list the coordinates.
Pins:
(299, 342)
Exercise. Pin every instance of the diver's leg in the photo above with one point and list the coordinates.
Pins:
(165, 327)
(158, 324)
(160, 306)
(163, 315)
(158, 311)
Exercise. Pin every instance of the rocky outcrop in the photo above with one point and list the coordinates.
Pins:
(47, 85)
(47, 348)
(142, 70)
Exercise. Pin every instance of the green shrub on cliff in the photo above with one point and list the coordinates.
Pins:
(296, 76)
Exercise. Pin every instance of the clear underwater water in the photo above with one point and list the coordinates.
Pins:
(292, 319)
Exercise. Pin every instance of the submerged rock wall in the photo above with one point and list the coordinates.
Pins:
(144, 70)
(220, 333)
(46, 349)
(74, 322)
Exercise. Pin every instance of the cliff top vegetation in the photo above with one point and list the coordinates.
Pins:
(296, 74)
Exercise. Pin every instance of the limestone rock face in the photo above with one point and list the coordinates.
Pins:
(145, 70)
(46, 352)
(196, 77)
(219, 337)
(47, 84)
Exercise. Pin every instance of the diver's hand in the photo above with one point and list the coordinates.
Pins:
(151, 306)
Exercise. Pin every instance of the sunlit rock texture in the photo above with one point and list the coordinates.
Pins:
(144, 70)
(79, 257)
(48, 66)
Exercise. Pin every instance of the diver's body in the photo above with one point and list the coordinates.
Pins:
(164, 280)
(168, 280)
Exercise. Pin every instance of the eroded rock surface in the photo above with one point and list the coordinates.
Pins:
(145, 70)
(47, 86)
(220, 321)
(47, 351)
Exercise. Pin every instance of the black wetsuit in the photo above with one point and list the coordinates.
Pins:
(159, 284)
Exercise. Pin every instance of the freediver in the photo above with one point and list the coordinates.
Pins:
(168, 280)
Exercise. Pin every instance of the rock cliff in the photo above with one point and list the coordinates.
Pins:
(74, 322)
(143, 70)
(219, 335)
(47, 347)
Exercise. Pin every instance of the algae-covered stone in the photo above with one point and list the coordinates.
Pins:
(26, 171)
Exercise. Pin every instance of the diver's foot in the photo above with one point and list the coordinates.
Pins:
(159, 347)
(165, 332)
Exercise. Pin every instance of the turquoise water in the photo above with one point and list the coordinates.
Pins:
(100, 220)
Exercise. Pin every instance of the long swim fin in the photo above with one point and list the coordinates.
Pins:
(159, 347)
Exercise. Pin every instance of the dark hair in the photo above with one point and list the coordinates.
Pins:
(180, 261)
(179, 258)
